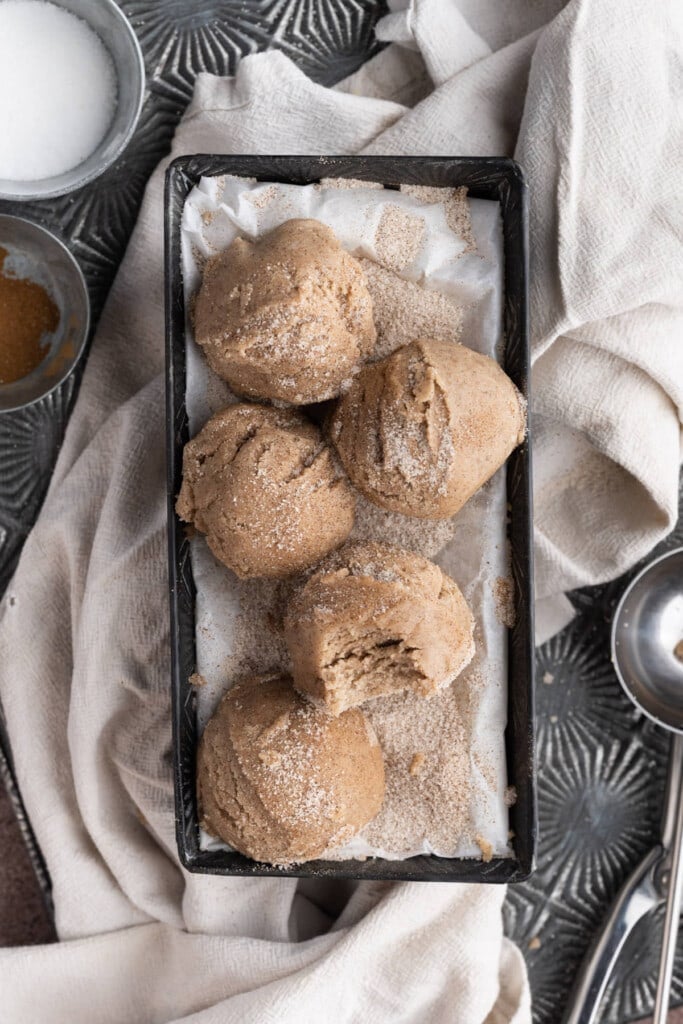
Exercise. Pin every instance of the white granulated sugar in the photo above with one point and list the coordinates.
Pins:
(57, 90)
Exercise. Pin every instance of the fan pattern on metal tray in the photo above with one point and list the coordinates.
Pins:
(600, 766)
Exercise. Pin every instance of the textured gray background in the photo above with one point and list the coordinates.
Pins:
(601, 766)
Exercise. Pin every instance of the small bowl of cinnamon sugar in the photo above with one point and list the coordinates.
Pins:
(44, 312)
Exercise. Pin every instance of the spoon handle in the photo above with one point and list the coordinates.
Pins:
(637, 897)
(673, 900)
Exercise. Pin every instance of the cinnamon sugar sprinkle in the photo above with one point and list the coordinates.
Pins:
(428, 793)
(454, 202)
(404, 311)
(399, 238)
(504, 593)
(261, 199)
(258, 644)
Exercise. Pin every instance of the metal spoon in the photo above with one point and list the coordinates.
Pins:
(647, 651)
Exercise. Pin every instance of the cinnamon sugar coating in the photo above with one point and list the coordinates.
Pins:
(263, 486)
(286, 317)
(421, 430)
(281, 780)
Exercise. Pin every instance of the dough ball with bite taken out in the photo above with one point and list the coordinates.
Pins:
(374, 620)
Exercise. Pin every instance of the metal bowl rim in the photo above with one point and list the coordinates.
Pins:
(80, 182)
(613, 639)
(60, 378)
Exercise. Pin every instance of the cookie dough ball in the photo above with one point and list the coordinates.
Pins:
(281, 780)
(265, 489)
(420, 431)
(285, 317)
(374, 620)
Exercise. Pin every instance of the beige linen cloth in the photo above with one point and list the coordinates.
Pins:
(586, 99)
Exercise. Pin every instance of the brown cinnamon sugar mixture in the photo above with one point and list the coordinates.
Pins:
(262, 199)
(27, 313)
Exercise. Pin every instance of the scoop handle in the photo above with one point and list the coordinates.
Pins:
(673, 898)
(637, 897)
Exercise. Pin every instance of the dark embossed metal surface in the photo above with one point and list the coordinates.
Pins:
(601, 767)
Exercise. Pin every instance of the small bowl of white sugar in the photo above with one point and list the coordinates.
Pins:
(72, 81)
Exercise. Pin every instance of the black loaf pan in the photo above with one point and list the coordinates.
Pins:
(485, 178)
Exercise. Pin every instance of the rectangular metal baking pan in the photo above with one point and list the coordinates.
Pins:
(485, 178)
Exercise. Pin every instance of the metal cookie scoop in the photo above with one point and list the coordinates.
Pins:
(647, 651)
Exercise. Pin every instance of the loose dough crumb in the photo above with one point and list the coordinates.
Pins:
(197, 680)
(510, 796)
(678, 650)
(548, 678)
(416, 764)
(534, 943)
(486, 849)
